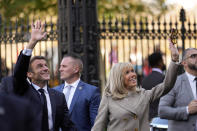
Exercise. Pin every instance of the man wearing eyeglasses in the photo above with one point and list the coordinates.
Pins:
(179, 106)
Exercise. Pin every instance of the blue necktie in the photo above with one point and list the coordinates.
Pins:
(68, 92)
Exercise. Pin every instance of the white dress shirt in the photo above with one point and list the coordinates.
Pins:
(72, 91)
(50, 119)
(27, 52)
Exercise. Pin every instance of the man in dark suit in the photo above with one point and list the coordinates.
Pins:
(83, 99)
(179, 106)
(156, 77)
(16, 114)
(49, 105)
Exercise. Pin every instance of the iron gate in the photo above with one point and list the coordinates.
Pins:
(100, 43)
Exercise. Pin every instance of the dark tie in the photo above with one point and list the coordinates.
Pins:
(45, 125)
(196, 82)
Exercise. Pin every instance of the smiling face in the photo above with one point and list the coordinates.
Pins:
(130, 78)
(39, 71)
(122, 79)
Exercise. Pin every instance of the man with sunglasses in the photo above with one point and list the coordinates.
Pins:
(179, 106)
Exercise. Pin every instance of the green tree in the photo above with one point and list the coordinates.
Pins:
(159, 7)
(22, 8)
(132, 7)
(120, 7)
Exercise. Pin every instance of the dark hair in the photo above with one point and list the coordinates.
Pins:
(33, 59)
(78, 60)
(154, 59)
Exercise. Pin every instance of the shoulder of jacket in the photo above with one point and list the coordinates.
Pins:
(86, 85)
(58, 86)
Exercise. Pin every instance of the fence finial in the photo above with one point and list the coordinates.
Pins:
(182, 15)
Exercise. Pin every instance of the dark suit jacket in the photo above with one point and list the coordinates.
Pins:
(23, 88)
(84, 106)
(148, 83)
(16, 114)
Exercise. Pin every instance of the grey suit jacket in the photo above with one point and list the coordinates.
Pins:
(173, 106)
(148, 83)
(131, 113)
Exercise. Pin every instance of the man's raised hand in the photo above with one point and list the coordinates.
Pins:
(37, 34)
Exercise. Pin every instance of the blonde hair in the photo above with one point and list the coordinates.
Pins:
(115, 85)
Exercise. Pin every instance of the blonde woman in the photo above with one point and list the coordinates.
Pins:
(124, 106)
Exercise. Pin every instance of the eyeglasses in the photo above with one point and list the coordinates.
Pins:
(191, 56)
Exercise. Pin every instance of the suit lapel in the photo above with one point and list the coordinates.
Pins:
(53, 104)
(187, 87)
(33, 94)
(76, 96)
(61, 87)
(129, 103)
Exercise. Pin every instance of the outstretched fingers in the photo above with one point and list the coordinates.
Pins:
(42, 26)
(174, 51)
(37, 24)
(171, 45)
(44, 35)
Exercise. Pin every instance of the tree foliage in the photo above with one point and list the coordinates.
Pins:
(159, 8)
(132, 7)
(120, 7)
(24, 8)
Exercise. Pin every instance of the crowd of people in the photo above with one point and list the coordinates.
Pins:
(27, 103)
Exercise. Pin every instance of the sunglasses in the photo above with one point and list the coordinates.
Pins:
(192, 56)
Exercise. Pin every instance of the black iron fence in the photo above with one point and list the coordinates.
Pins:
(120, 40)
(133, 39)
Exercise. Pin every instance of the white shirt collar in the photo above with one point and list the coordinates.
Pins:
(37, 87)
(72, 91)
(158, 70)
(74, 84)
(190, 77)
